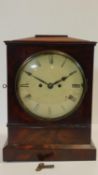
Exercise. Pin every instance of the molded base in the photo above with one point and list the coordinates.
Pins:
(52, 152)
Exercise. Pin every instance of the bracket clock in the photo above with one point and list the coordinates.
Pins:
(49, 99)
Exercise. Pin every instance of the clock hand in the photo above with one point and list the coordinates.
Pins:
(70, 74)
(64, 78)
(50, 85)
(28, 73)
(37, 78)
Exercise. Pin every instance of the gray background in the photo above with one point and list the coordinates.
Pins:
(24, 18)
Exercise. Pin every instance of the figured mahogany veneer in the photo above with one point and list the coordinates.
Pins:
(30, 139)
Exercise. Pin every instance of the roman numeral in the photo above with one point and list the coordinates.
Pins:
(36, 107)
(24, 85)
(63, 108)
(51, 59)
(63, 63)
(72, 98)
(49, 111)
(76, 85)
(38, 63)
(72, 72)
(28, 96)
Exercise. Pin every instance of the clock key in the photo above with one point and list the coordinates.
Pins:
(43, 166)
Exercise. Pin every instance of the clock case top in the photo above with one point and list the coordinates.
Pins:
(49, 39)
(75, 129)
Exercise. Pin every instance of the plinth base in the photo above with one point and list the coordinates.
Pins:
(52, 152)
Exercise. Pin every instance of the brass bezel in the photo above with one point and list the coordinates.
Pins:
(50, 52)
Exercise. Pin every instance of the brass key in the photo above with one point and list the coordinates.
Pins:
(42, 166)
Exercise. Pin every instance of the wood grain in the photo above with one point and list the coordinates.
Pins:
(35, 135)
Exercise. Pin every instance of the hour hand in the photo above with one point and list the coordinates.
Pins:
(64, 78)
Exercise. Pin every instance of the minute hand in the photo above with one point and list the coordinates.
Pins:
(64, 78)
(37, 78)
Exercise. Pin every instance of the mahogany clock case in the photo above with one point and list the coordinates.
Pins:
(30, 139)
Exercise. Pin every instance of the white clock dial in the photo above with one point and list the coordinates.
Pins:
(50, 85)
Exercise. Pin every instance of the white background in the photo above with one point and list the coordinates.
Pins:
(24, 18)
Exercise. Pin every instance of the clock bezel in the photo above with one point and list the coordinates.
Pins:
(44, 52)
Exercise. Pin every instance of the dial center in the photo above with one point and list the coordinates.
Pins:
(50, 85)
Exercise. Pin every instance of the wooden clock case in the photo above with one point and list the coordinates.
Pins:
(30, 139)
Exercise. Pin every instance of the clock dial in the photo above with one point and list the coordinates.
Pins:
(50, 85)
